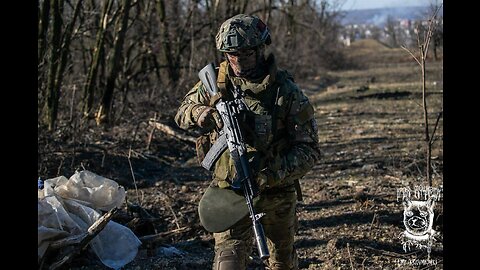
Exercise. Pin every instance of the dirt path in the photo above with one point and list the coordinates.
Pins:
(351, 217)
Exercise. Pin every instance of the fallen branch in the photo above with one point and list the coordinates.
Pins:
(150, 134)
(148, 239)
(373, 220)
(170, 131)
(350, 256)
(167, 200)
(390, 253)
(80, 241)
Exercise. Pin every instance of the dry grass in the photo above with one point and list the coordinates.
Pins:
(371, 135)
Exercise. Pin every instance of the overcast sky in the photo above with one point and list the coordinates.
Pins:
(367, 4)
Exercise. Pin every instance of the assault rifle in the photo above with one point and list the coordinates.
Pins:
(231, 112)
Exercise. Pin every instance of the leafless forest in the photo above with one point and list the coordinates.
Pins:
(111, 75)
(100, 61)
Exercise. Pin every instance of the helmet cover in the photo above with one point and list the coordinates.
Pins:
(242, 32)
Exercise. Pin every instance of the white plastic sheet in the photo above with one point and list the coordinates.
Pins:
(69, 207)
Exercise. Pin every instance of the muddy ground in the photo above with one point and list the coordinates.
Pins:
(371, 136)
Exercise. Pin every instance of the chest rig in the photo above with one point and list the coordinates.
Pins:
(266, 124)
(264, 100)
(263, 124)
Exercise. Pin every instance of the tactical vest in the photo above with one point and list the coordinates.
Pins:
(264, 128)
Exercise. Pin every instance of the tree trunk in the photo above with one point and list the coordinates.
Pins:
(166, 42)
(65, 50)
(244, 6)
(44, 17)
(51, 105)
(235, 7)
(267, 10)
(425, 118)
(212, 11)
(97, 52)
(103, 114)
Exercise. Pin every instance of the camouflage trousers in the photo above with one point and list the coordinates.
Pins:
(233, 247)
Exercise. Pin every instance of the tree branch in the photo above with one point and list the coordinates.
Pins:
(80, 241)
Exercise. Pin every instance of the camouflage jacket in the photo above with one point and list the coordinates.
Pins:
(283, 138)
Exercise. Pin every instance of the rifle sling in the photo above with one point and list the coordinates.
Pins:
(298, 189)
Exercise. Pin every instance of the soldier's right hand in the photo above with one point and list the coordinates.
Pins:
(208, 118)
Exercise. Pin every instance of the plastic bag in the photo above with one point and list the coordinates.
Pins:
(91, 189)
(69, 207)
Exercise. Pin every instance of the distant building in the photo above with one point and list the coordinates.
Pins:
(402, 27)
(345, 40)
(405, 23)
(368, 33)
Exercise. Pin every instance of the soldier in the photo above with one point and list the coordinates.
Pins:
(282, 144)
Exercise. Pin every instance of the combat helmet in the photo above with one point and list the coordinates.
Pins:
(242, 32)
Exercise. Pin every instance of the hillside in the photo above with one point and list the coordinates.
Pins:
(379, 16)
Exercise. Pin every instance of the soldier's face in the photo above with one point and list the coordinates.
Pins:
(243, 62)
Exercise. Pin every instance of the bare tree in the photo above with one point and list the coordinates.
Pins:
(235, 7)
(51, 103)
(97, 54)
(166, 41)
(43, 23)
(59, 51)
(103, 114)
(170, 41)
(391, 31)
(437, 37)
(423, 45)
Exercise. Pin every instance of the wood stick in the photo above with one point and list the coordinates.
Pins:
(152, 238)
(390, 253)
(170, 131)
(350, 256)
(150, 135)
(167, 200)
(82, 240)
